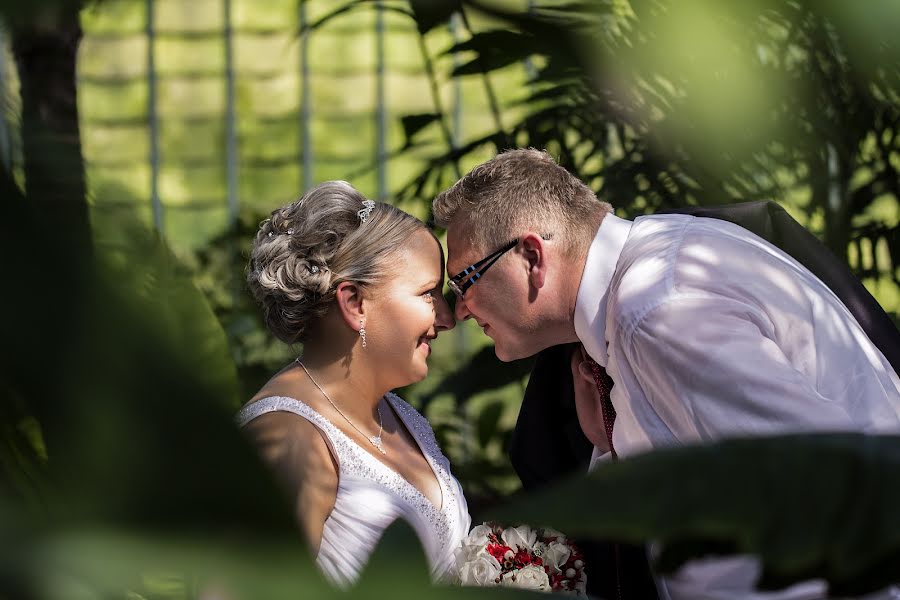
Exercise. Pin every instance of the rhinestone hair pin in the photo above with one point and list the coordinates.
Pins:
(289, 232)
(368, 207)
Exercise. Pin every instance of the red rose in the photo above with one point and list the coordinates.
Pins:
(522, 558)
(556, 581)
(498, 551)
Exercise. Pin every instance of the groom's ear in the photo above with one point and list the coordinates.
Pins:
(351, 303)
(535, 252)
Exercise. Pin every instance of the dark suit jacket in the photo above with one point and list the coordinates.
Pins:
(548, 443)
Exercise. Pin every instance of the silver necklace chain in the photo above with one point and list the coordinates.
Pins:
(375, 440)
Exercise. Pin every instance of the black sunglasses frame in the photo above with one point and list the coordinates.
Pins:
(475, 271)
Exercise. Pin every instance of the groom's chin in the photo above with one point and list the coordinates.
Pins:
(504, 355)
(524, 349)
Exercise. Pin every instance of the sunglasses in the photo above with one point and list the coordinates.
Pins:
(466, 278)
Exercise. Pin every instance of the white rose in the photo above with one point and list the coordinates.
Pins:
(531, 577)
(554, 533)
(483, 570)
(479, 535)
(467, 553)
(522, 536)
(555, 556)
(473, 544)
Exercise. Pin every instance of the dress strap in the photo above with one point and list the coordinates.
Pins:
(333, 436)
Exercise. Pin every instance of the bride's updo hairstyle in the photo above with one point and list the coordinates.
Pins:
(304, 250)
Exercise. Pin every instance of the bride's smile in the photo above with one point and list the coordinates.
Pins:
(409, 313)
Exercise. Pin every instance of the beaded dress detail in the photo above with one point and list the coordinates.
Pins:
(371, 495)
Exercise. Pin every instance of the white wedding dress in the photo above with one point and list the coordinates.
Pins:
(371, 496)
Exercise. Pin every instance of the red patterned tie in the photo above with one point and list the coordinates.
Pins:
(604, 386)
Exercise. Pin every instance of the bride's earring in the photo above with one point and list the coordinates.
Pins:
(362, 333)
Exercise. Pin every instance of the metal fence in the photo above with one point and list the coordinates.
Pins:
(196, 111)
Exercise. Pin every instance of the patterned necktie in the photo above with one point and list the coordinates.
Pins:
(604, 387)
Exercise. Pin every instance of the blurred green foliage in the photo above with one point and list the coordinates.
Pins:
(810, 506)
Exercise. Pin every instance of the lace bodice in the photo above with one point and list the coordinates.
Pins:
(371, 495)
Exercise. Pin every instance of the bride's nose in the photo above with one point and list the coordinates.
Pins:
(443, 315)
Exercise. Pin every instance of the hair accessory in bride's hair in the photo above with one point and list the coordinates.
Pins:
(289, 232)
(368, 207)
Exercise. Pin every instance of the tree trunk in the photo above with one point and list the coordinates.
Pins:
(53, 232)
(45, 51)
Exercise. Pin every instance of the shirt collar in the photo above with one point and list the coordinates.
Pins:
(593, 291)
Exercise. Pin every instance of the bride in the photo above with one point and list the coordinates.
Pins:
(358, 284)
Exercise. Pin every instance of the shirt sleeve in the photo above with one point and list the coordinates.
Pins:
(710, 367)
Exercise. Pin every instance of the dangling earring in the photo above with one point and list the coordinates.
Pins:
(362, 333)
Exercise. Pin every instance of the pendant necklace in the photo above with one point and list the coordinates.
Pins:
(375, 440)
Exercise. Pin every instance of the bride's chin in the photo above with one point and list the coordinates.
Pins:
(419, 376)
(421, 369)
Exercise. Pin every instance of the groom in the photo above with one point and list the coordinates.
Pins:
(704, 329)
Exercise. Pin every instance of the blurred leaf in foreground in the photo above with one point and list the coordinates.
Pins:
(810, 506)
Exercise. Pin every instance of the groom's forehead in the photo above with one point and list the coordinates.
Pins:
(461, 250)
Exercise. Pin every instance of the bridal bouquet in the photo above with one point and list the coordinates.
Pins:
(522, 557)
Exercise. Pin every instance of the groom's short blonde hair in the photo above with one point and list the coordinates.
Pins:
(520, 190)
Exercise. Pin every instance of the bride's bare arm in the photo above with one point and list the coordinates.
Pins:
(299, 457)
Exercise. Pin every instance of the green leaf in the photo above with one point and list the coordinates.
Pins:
(399, 545)
(140, 267)
(136, 406)
(121, 564)
(496, 49)
(413, 124)
(432, 13)
(810, 506)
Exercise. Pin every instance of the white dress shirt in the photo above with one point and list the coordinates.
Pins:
(708, 332)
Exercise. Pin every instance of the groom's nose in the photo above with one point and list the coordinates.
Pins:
(461, 311)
